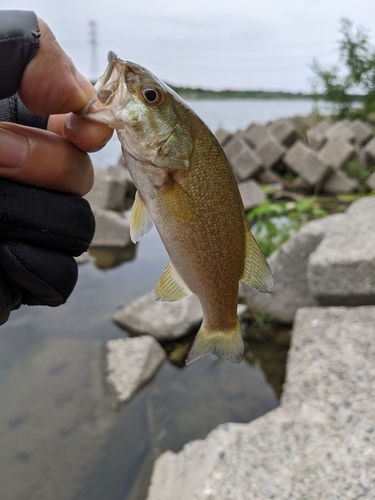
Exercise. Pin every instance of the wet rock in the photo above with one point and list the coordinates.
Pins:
(251, 193)
(319, 444)
(112, 230)
(336, 153)
(246, 163)
(108, 191)
(284, 131)
(362, 132)
(131, 363)
(255, 134)
(305, 163)
(341, 271)
(289, 267)
(338, 182)
(270, 151)
(163, 320)
(223, 136)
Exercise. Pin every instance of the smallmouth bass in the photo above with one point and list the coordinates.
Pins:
(186, 187)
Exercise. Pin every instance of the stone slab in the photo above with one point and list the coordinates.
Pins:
(338, 182)
(131, 363)
(336, 153)
(369, 152)
(320, 444)
(341, 130)
(341, 271)
(305, 163)
(108, 191)
(316, 136)
(362, 132)
(234, 145)
(255, 134)
(223, 136)
(251, 193)
(112, 230)
(371, 182)
(284, 131)
(246, 163)
(270, 151)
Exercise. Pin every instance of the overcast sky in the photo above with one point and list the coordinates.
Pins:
(238, 44)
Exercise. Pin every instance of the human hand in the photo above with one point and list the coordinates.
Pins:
(55, 158)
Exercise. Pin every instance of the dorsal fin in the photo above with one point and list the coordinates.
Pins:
(140, 219)
(171, 286)
(257, 272)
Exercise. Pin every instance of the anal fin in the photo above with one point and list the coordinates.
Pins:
(140, 219)
(171, 286)
(257, 272)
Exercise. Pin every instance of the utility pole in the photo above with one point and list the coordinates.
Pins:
(94, 53)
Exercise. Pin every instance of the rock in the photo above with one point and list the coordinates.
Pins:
(362, 132)
(163, 320)
(338, 182)
(270, 151)
(341, 130)
(246, 163)
(289, 266)
(305, 163)
(108, 191)
(371, 182)
(112, 230)
(251, 193)
(234, 145)
(316, 136)
(284, 131)
(131, 363)
(319, 444)
(341, 271)
(223, 136)
(369, 153)
(336, 153)
(122, 174)
(302, 186)
(255, 134)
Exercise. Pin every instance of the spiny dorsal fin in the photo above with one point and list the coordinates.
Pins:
(171, 286)
(257, 272)
(140, 220)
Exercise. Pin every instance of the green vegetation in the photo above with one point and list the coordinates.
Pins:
(274, 223)
(350, 86)
(356, 170)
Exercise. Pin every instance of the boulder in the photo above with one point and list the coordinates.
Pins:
(305, 163)
(112, 230)
(108, 191)
(362, 132)
(289, 267)
(163, 320)
(255, 134)
(319, 444)
(284, 131)
(336, 153)
(338, 182)
(132, 362)
(251, 193)
(341, 271)
(223, 136)
(246, 163)
(270, 151)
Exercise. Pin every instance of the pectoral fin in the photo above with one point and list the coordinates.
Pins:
(257, 272)
(171, 286)
(140, 221)
(179, 203)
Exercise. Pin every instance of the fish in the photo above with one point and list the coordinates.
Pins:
(186, 187)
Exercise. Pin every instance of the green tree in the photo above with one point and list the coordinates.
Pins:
(354, 79)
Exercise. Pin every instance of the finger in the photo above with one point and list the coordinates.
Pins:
(43, 159)
(86, 135)
(51, 83)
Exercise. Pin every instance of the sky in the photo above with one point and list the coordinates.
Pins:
(213, 44)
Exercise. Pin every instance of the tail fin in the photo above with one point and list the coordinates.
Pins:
(227, 344)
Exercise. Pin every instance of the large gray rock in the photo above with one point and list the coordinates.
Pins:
(255, 134)
(318, 445)
(163, 320)
(289, 266)
(336, 153)
(316, 136)
(112, 230)
(341, 130)
(341, 271)
(131, 363)
(245, 163)
(234, 145)
(362, 132)
(284, 131)
(270, 151)
(305, 163)
(108, 190)
(338, 182)
(251, 193)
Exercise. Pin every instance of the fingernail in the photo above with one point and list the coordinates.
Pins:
(13, 149)
(84, 84)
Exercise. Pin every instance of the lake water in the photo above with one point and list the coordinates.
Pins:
(61, 436)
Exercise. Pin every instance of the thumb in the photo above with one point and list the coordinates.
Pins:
(51, 84)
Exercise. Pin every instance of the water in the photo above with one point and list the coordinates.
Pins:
(61, 435)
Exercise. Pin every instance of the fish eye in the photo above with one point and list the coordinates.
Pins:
(152, 95)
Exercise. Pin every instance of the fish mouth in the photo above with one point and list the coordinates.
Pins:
(111, 94)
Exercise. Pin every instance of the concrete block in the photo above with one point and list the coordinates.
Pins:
(341, 271)
(305, 163)
(270, 151)
(362, 132)
(371, 182)
(246, 163)
(336, 153)
(108, 191)
(223, 136)
(234, 145)
(338, 182)
(341, 130)
(316, 136)
(251, 193)
(369, 153)
(112, 230)
(255, 134)
(284, 131)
